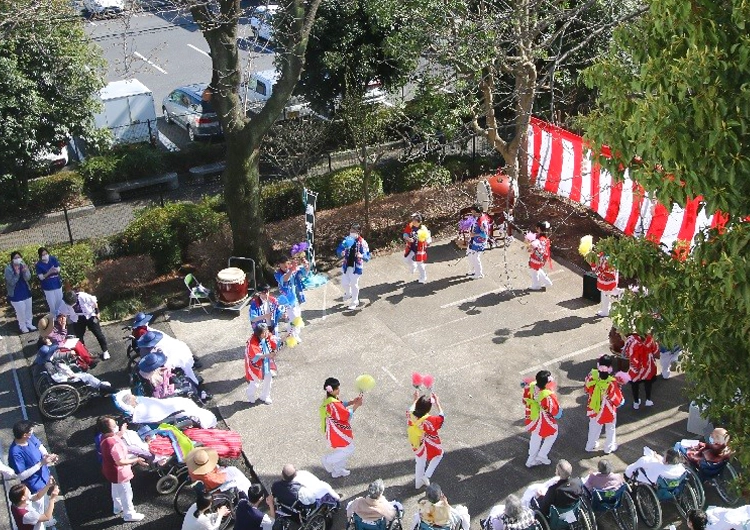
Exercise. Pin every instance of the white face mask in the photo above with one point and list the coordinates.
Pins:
(45, 258)
(17, 261)
(355, 235)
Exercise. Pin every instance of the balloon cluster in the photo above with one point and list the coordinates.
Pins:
(465, 224)
(291, 341)
(423, 234)
(299, 248)
(364, 382)
(418, 380)
(348, 242)
(587, 243)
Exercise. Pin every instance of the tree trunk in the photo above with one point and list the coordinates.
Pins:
(366, 170)
(242, 195)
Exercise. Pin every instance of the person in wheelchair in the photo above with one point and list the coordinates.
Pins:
(61, 367)
(564, 493)
(374, 506)
(513, 515)
(299, 488)
(55, 331)
(161, 382)
(715, 451)
(435, 511)
(648, 468)
(203, 466)
(177, 353)
(605, 479)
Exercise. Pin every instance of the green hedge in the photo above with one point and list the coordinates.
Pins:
(47, 194)
(344, 186)
(280, 200)
(422, 175)
(120, 164)
(164, 233)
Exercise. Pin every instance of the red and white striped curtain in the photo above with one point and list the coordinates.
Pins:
(559, 162)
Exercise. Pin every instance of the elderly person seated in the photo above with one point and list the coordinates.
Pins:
(605, 479)
(374, 506)
(144, 409)
(300, 486)
(434, 510)
(203, 466)
(564, 493)
(159, 377)
(57, 364)
(55, 331)
(715, 451)
(178, 353)
(513, 515)
(648, 468)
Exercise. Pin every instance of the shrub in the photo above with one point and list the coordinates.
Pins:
(164, 233)
(51, 193)
(344, 186)
(139, 161)
(280, 200)
(422, 175)
(98, 171)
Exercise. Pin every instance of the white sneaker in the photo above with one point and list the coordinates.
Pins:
(649, 403)
(531, 463)
(477, 276)
(602, 314)
(341, 473)
(346, 297)
(425, 482)
(268, 401)
(31, 327)
(594, 449)
(543, 461)
(610, 450)
(637, 404)
(105, 356)
(666, 374)
(23, 329)
(353, 306)
(135, 517)
(422, 281)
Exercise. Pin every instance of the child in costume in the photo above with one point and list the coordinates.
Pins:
(424, 438)
(480, 233)
(355, 252)
(606, 281)
(417, 239)
(287, 276)
(542, 411)
(335, 417)
(265, 308)
(604, 396)
(259, 357)
(540, 250)
(642, 353)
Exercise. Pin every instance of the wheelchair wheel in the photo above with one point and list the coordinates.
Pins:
(541, 520)
(59, 401)
(316, 522)
(724, 483)
(167, 484)
(395, 524)
(626, 515)
(586, 520)
(647, 504)
(695, 481)
(686, 500)
(224, 499)
(42, 383)
(184, 497)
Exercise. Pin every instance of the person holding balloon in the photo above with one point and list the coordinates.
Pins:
(335, 418)
(417, 238)
(355, 252)
(265, 308)
(259, 363)
(422, 429)
(286, 276)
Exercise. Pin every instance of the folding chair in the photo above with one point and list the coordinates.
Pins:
(198, 294)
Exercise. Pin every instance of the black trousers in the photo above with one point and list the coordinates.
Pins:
(92, 324)
(637, 387)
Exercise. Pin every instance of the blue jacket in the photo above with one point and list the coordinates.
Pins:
(361, 248)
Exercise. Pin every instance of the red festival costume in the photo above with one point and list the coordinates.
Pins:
(541, 411)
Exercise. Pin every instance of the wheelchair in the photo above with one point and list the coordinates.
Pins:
(355, 522)
(183, 386)
(427, 526)
(486, 524)
(60, 400)
(300, 516)
(619, 503)
(185, 495)
(648, 497)
(720, 475)
(576, 517)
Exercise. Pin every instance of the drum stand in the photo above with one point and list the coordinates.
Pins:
(240, 305)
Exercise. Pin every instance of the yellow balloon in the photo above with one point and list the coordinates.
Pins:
(364, 382)
(298, 322)
(423, 234)
(291, 342)
(587, 243)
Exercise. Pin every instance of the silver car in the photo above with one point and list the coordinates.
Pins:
(188, 107)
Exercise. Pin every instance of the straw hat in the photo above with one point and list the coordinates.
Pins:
(46, 324)
(202, 460)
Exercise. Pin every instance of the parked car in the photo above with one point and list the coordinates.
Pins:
(188, 107)
(258, 89)
(104, 7)
(261, 21)
(54, 159)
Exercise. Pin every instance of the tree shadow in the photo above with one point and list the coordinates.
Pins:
(576, 303)
(444, 252)
(418, 290)
(542, 327)
(491, 300)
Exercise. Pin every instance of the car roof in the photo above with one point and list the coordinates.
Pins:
(270, 8)
(196, 89)
(267, 75)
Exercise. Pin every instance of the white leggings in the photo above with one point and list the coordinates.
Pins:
(23, 314)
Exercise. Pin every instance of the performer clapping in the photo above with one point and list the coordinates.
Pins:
(424, 438)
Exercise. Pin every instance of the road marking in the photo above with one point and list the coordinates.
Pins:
(199, 50)
(21, 401)
(471, 298)
(166, 142)
(438, 326)
(564, 357)
(156, 66)
(390, 375)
